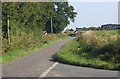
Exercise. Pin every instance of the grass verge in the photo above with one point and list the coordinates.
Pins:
(70, 54)
(18, 53)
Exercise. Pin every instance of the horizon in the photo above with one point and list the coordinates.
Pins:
(94, 14)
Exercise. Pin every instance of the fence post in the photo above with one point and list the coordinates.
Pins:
(8, 29)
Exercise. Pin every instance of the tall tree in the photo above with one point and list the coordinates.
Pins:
(63, 14)
(26, 14)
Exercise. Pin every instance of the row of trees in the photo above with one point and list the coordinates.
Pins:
(36, 15)
(103, 27)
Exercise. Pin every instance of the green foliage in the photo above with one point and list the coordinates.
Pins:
(27, 39)
(37, 15)
(92, 51)
(23, 46)
(28, 20)
(32, 15)
(63, 14)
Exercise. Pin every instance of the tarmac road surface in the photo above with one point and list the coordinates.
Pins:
(41, 64)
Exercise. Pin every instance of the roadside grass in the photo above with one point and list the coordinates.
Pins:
(0, 40)
(18, 53)
(90, 52)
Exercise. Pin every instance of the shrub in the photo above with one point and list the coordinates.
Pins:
(23, 38)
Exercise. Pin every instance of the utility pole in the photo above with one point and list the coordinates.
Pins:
(8, 29)
(51, 26)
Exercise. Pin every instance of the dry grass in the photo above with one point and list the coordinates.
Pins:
(98, 49)
(106, 48)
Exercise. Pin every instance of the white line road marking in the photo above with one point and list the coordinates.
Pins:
(48, 70)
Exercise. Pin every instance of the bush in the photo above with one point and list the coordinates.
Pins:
(25, 38)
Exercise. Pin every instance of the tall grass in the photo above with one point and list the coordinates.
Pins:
(105, 48)
(92, 49)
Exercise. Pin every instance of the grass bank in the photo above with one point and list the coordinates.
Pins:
(89, 50)
(15, 53)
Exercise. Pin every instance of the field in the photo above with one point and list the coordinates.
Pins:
(96, 49)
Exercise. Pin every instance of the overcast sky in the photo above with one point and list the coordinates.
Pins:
(94, 13)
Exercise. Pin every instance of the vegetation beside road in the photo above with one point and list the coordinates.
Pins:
(97, 49)
(23, 24)
(27, 46)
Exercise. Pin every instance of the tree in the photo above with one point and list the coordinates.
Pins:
(32, 15)
(63, 14)
(36, 15)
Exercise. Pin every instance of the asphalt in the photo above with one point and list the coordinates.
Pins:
(0, 71)
(63, 70)
(35, 64)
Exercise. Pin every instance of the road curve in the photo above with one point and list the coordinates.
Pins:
(33, 64)
(41, 64)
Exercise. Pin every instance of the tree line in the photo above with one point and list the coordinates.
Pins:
(102, 27)
(36, 16)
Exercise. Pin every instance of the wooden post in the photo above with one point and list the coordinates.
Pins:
(8, 29)
(51, 26)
